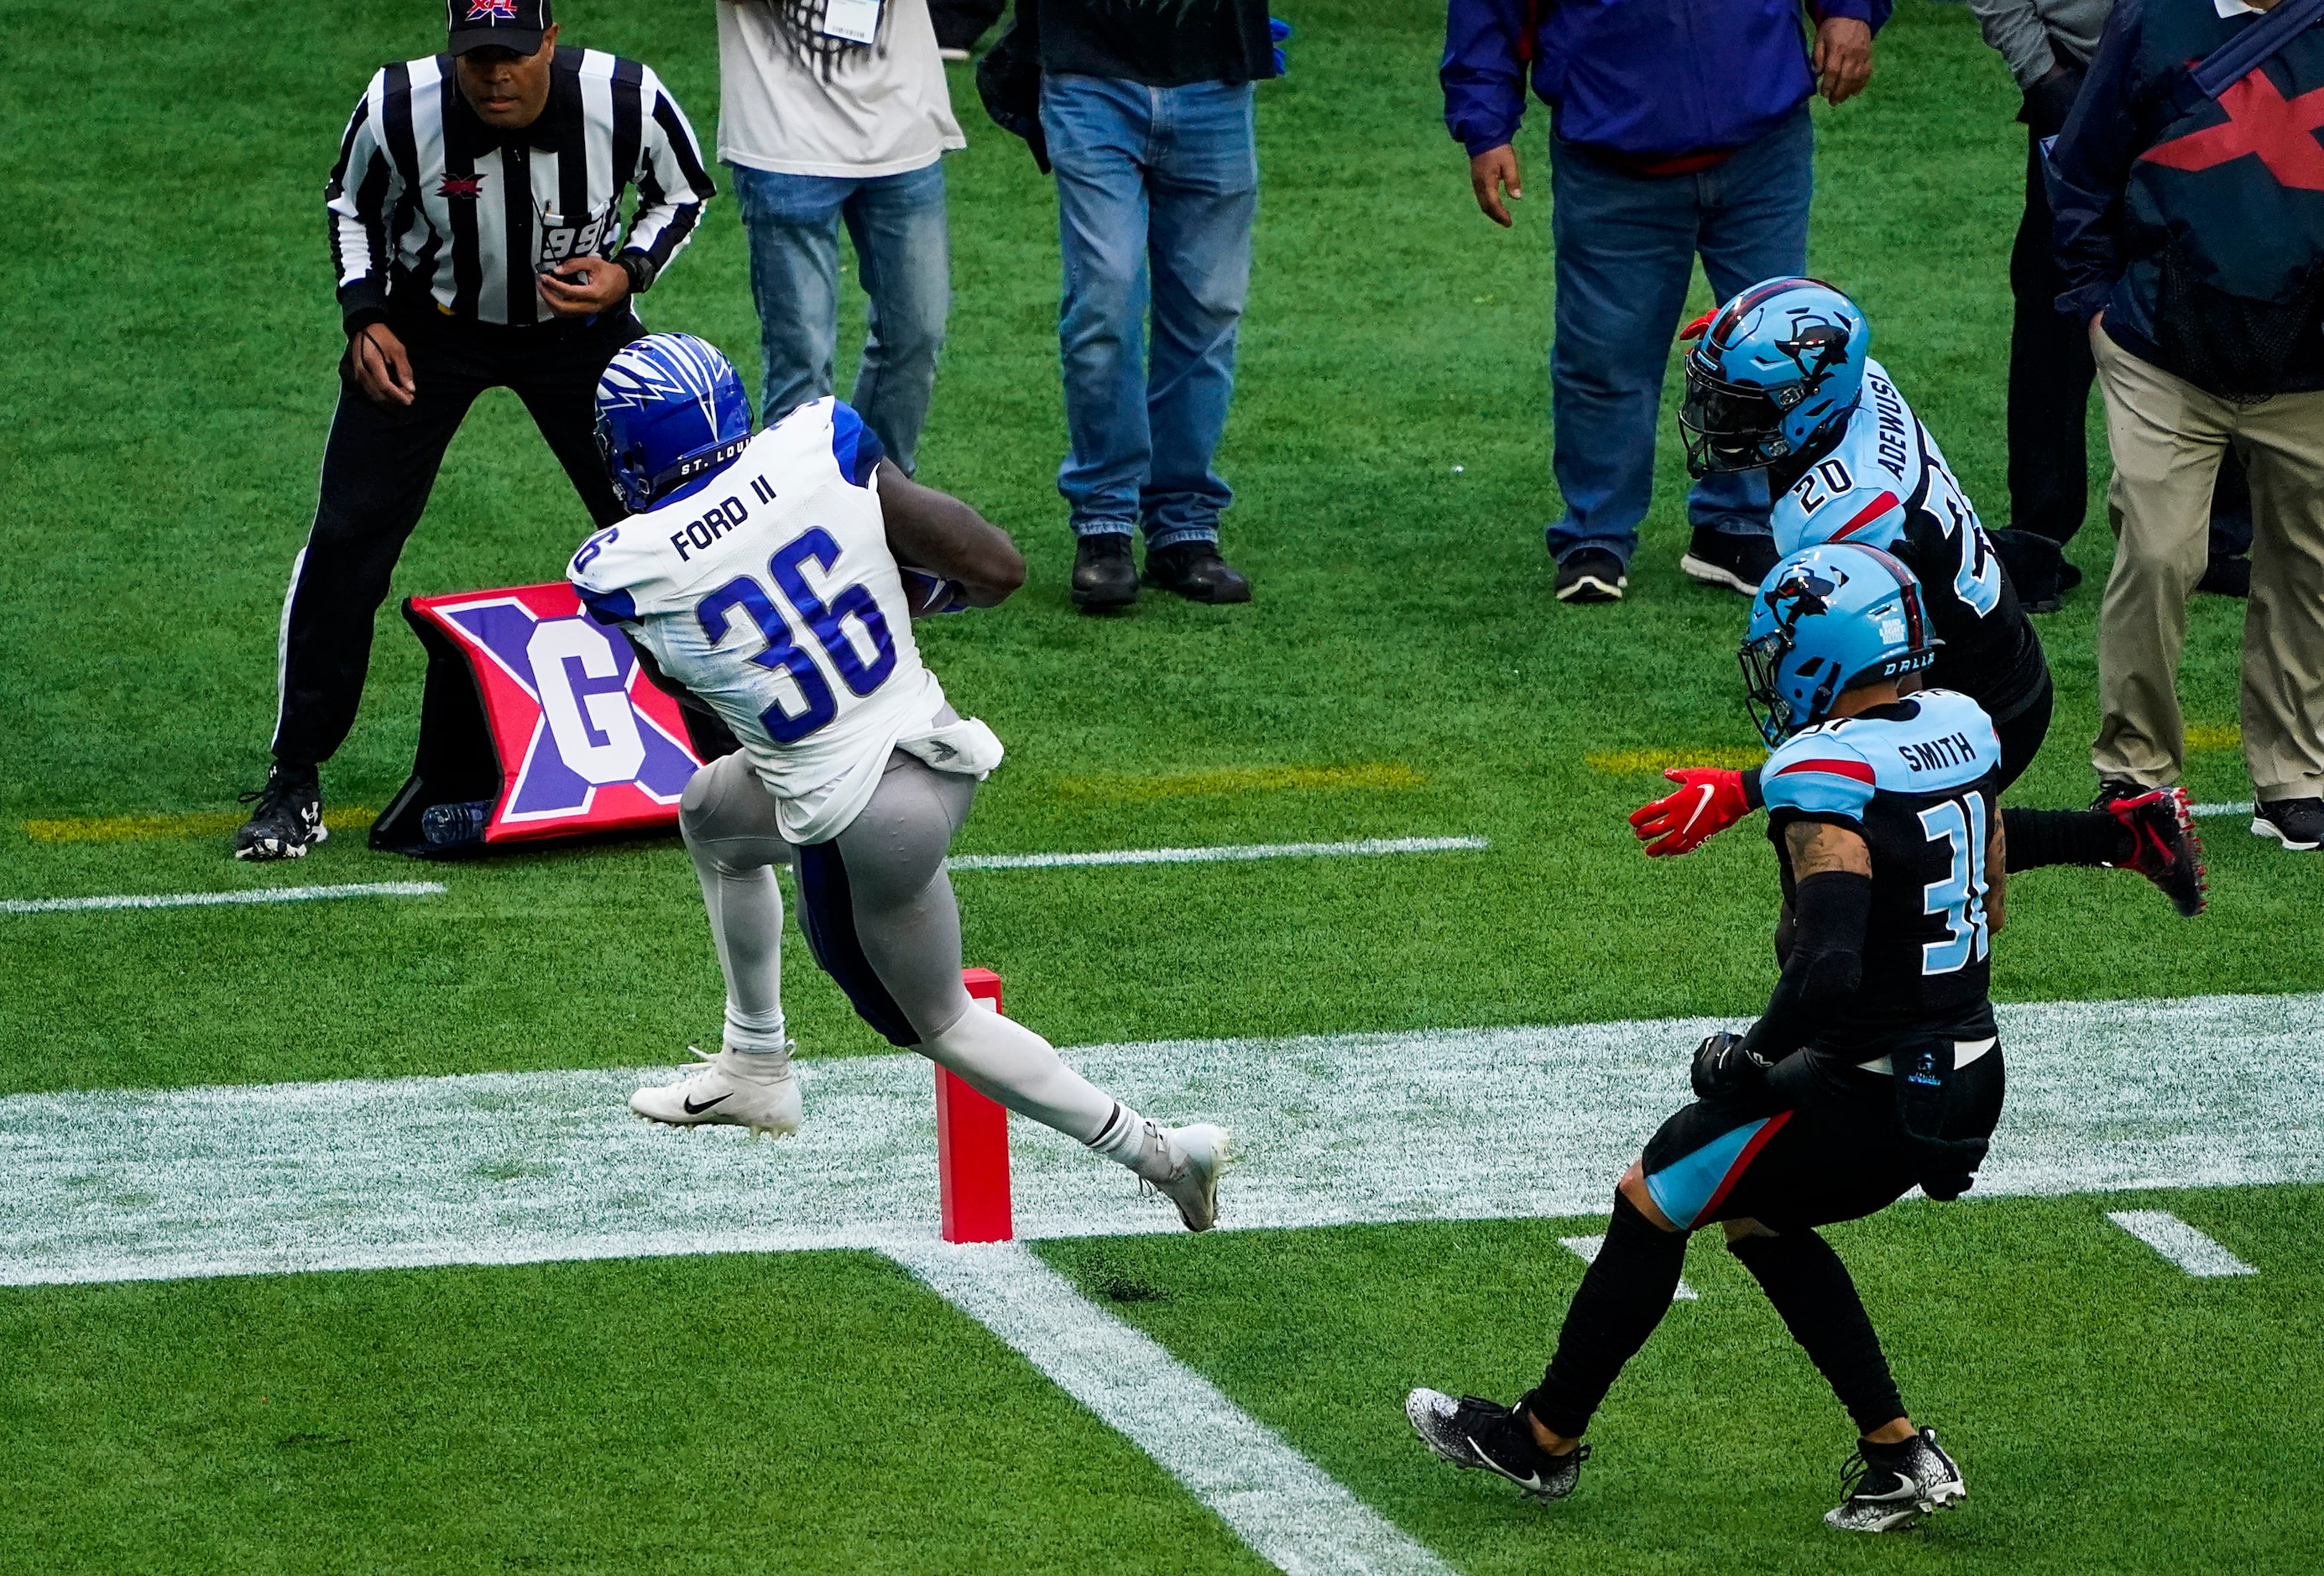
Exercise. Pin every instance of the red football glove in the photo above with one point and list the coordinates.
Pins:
(1711, 802)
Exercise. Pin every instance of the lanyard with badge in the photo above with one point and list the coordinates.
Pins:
(856, 21)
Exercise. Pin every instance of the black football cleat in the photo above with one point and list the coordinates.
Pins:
(1105, 579)
(1889, 1487)
(289, 819)
(1472, 1432)
(2164, 846)
(1195, 571)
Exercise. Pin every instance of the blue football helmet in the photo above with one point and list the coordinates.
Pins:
(672, 414)
(1775, 371)
(1825, 619)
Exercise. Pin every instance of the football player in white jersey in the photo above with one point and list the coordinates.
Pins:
(1779, 379)
(775, 578)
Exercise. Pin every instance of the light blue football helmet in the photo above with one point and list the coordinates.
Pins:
(1775, 371)
(672, 414)
(1827, 619)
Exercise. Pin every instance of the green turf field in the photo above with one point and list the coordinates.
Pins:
(1403, 673)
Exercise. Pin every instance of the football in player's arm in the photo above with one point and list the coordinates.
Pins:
(1876, 1067)
(1779, 379)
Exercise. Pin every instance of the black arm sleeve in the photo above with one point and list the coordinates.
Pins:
(1826, 963)
(1751, 794)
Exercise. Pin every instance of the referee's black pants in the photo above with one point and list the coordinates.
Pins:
(2051, 370)
(379, 466)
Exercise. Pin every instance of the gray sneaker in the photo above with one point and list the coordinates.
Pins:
(1891, 1488)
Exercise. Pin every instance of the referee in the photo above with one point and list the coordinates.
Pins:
(475, 222)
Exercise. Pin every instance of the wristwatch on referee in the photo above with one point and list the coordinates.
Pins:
(640, 269)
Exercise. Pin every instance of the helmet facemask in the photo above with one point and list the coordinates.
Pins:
(1799, 596)
(1733, 426)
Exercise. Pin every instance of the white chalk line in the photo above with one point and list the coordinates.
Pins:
(1232, 853)
(1335, 1129)
(2219, 809)
(2180, 1242)
(1586, 1249)
(1290, 1511)
(212, 899)
(1371, 846)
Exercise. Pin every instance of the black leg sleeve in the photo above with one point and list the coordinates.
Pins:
(1811, 1288)
(379, 466)
(2035, 838)
(559, 387)
(2051, 370)
(1620, 1300)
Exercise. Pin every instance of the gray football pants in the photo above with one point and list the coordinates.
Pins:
(881, 918)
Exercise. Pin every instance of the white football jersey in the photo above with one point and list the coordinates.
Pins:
(771, 595)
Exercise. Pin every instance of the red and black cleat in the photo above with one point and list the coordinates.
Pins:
(2164, 848)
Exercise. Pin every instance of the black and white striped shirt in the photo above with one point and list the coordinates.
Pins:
(427, 200)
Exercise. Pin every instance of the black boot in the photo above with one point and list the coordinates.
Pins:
(1195, 571)
(1104, 578)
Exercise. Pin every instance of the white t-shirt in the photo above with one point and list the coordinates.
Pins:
(798, 99)
(772, 596)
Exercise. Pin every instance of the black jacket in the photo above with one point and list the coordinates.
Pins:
(2197, 225)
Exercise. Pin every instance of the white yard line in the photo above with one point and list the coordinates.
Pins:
(1586, 1248)
(2219, 809)
(1370, 846)
(2180, 1242)
(209, 899)
(1291, 1512)
(1335, 1129)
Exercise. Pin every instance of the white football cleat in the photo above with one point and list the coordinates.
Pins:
(1922, 1481)
(1198, 1154)
(729, 1088)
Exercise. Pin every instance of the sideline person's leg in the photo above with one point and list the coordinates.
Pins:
(1097, 130)
(2283, 441)
(1755, 227)
(379, 466)
(559, 386)
(2167, 436)
(881, 918)
(727, 819)
(2050, 376)
(1204, 190)
(1624, 248)
(904, 253)
(793, 225)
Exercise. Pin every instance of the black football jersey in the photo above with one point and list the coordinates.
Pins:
(1919, 782)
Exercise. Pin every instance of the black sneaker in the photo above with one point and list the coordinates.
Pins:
(1893, 1485)
(2164, 848)
(2226, 577)
(1475, 1433)
(289, 820)
(1591, 575)
(2297, 824)
(1195, 571)
(1104, 578)
(1737, 563)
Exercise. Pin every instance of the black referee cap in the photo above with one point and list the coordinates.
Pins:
(497, 24)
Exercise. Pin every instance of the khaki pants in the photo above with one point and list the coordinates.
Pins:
(2167, 436)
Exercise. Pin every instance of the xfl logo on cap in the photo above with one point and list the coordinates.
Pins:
(585, 741)
(491, 11)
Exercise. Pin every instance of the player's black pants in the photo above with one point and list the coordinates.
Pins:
(379, 466)
(2036, 838)
(2050, 371)
(1818, 1140)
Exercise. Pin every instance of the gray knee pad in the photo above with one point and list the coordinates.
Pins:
(727, 815)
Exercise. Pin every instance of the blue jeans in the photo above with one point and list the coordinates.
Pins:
(1625, 249)
(1156, 187)
(898, 225)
